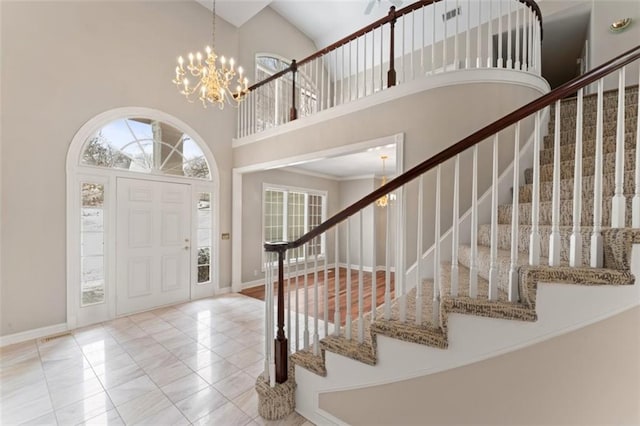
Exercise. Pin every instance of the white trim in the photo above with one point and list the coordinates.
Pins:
(36, 333)
(75, 170)
(451, 78)
(361, 177)
(292, 169)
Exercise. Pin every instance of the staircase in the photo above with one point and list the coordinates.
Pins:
(422, 315)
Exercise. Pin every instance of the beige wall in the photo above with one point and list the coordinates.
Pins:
(350, 192)
(252, 214)
(587, 377)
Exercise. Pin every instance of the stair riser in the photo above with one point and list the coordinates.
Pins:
(566, 213)
(483, 263)
(567, 168)
(568, 152)
(524, 232)
(568, 137)
(568, 119)
(589, 103)
(566, 188)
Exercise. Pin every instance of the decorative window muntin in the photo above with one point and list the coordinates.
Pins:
(205, 240)
(145, 146)
(92, 235)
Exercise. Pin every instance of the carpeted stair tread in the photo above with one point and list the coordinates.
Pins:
(566, 212)
(350, 348)
(568, 137)
(568, 118)
(307, 359)
(479, 306)
(567, 168)
(503, 262)
(566, 187)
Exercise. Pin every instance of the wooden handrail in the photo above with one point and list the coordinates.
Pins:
(374, 25)
(542, 102)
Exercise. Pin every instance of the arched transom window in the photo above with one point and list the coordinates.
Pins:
(147, 146)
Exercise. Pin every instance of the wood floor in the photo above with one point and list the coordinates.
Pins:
(258, 292)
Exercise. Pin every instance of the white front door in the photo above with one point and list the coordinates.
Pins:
(153, 244)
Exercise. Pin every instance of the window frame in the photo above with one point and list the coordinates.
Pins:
(286, 189)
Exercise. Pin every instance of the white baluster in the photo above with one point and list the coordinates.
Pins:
(479, 37)
(514, 295)
(267, 317)
(493, 267)
(433, 40)
(357, 65)
(337, 321)
(297, 300)
(636, 198)
(316, 301)
(509, 37)
(444, 39)
(419, 251)
(575, 242)
(530, 39)
(347, 327)
(326, 291)
(404, 18)
(387, 274)
(619, 202)
(305, 337)
(500, 60)
(455, 228)
(381, 57)
(436, 257)
(525, 39)
(424, 28)
(467, 46)
(473, 261)
(289, 302)
(534, 239)
(374, 265)
(456, 54)
(413, 44)
(518, 63)
(364, 69)
(554, 238)
(597, 256)
(360, 282)
(490, 36)
(343, 72)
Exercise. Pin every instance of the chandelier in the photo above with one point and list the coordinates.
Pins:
(213, 84)
(384, 200)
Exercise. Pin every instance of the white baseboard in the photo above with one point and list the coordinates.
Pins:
(36, 333)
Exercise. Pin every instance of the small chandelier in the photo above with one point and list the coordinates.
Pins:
(212, 83)
(384, 200)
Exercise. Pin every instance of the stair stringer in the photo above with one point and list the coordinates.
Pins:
(505, 184)
(470, 339)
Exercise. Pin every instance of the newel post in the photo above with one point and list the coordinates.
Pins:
(293, 113)
(391, 75)
(281, 343)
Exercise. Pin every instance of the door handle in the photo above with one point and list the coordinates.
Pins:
(186, 247)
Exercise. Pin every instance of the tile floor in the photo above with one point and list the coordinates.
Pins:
(194, 363)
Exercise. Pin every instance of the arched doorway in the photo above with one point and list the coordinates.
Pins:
(142, 210)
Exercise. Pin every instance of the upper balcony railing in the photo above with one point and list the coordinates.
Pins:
(422, 39)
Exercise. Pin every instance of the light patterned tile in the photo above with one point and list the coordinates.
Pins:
(228, 415)
(143, 406)
(106, 356)
(248, 402)
(229, 348)
(218, 371)
(131, 390)
(110, 418)
(235, 385)
(112, 378)
(48, 419)
(25, 408)
(202, 359)
(293, 419)
(63, 396)
(168, 416)
(184, 387)
(188, 350)
(70, 377)
(201, 403)
(84, 410)
(169, 373)
(245, 358)
(255, 369)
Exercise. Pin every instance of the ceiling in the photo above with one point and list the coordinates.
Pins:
(357, 164)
